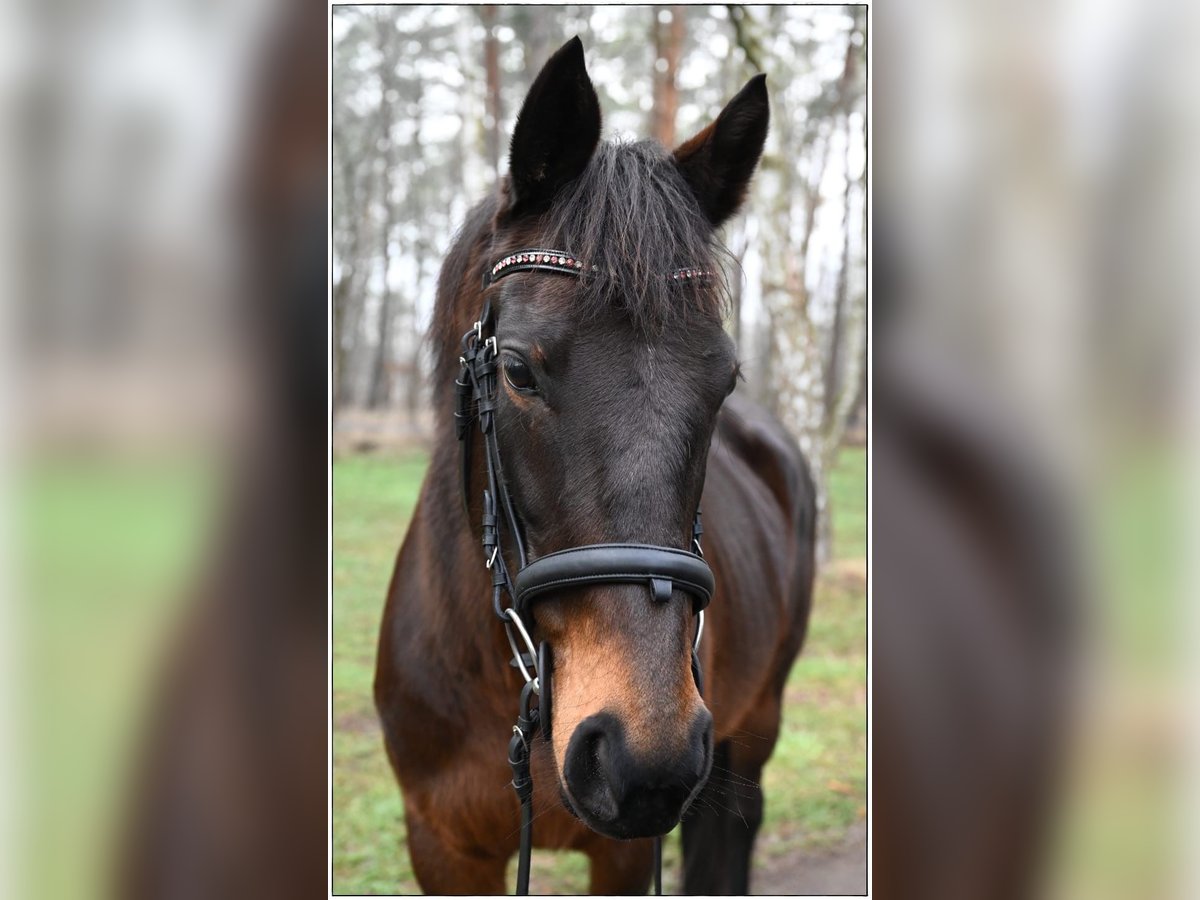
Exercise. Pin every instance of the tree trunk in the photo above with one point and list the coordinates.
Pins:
(834, 364)
(341, 299)
(349, 329)
(357, 179)
(850, 312)
(417, 211)
(798, 360)
(668, 44)
(381, 380)
(744, 35)
(493, 110)
(736, 244)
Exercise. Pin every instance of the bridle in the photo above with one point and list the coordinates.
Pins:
(662, 569)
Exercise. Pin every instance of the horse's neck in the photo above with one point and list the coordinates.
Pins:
(459, 305)
(457, 558)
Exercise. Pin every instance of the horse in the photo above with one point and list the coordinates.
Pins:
(614, 419)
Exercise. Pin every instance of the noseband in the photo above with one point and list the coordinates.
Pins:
(663, 570)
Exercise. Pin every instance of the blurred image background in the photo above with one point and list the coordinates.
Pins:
(424, 101)
(164, 627)
(1033, 320)
(1034, 421)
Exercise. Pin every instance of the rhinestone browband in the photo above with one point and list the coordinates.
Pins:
(566, 264)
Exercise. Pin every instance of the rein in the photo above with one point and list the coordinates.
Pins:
(662, 569)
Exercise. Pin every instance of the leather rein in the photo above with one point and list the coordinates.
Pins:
(662, 569)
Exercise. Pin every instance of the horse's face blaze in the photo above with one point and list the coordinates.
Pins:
(610, 387)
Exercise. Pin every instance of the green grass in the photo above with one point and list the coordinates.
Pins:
(848, 503)
(815, 784)
(373, 500)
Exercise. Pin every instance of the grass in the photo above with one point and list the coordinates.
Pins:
(848, 502)
(815, 784)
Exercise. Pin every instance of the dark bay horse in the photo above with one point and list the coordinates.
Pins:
(613, 416)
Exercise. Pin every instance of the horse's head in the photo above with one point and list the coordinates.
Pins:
(608, 398)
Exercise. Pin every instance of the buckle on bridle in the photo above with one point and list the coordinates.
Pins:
(519, 733)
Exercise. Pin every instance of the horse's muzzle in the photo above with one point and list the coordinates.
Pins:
(626, 795)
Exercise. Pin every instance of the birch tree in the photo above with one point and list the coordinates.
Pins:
(812, 367)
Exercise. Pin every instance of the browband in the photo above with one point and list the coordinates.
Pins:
(663, 569)
(537, 259)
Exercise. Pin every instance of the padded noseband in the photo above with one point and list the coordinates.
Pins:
(662, 569)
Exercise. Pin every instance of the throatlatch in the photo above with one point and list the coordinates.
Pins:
(663, 570)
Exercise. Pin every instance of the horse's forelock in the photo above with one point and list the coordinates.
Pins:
(632, 214)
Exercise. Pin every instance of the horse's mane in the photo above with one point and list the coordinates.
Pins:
(630, 213)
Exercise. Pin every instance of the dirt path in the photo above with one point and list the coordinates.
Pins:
(838, 871)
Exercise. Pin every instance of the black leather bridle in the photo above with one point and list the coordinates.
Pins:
(662, 569)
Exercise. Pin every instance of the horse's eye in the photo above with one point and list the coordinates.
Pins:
(518, 375)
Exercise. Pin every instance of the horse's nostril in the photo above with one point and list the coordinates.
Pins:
(592, 756)
(626, 794)
(589, 764)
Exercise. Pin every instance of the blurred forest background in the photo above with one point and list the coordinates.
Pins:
(424, 101)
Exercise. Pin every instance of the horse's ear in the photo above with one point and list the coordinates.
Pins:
(556, 132)
(719, 161)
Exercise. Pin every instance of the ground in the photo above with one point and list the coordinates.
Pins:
(813, 837)
(835, 872)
